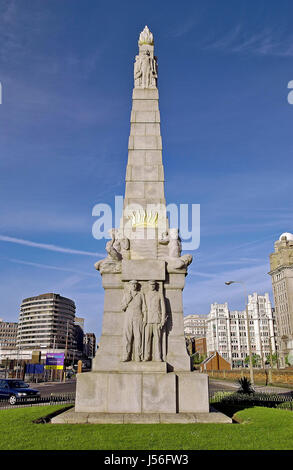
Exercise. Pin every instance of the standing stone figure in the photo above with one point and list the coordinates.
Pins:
(112, 263)
(137, 72)
(122, 244)
(113, 247)
(175, 245)
(154, 321)
(133, 304)
(145, 71)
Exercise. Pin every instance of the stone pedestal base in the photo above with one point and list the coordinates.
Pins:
(74, 417)
(141, 391)
(126, 392)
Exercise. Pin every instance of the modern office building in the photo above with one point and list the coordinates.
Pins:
(46, 323)
(227, 331)
(281, 272)
(8, 338)
(79, 336)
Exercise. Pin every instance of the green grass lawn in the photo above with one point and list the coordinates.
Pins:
(260, 428)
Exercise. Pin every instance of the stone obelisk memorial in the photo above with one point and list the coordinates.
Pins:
(142, 371)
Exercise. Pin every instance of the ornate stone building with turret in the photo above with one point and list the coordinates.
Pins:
(281, 271)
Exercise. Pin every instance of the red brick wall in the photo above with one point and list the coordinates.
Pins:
(281, 376)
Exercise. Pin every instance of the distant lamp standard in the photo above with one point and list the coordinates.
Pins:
(228, 283)
(65, 355)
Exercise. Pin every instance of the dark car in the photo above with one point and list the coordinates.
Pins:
(17, 390)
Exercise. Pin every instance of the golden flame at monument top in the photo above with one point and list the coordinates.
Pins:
(146, 37)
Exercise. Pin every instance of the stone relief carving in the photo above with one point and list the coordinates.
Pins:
(145, 318)
(179, 263)
(122, 244)
(133, 304)
(112, 263)
(174, 258)
(164, 239)
(145, 70)
(175, 245)
(107, 265)
(154, 321)
(117, 248)
(113, 247)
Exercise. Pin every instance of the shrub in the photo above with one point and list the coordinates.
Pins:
(287, 405)
(245, 386)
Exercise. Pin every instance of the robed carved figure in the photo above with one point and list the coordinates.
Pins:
(133, 304)
(154, 322)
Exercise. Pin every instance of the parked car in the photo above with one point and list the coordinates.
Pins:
(16, 390)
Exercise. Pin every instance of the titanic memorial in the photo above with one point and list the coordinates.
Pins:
(142, 372)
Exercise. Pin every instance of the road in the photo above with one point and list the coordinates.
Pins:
(46, 388)
(70, 386)
(214, 385)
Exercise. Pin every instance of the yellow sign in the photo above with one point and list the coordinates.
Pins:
(54, 367)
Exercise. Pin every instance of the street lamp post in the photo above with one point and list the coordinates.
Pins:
(65, 356)
(248, 330)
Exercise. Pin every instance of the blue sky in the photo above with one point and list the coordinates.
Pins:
(66, 70)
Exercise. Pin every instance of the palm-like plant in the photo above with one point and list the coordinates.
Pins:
(245, 386)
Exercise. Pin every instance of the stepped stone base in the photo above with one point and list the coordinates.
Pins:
(141, 396)
(73, 417)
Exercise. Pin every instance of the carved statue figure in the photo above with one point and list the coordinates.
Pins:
(154, 320)
(113, 247)
(164, 239)
(145, 71)
(179, 263)
(154, 72)
(137, 72)
(112, 263)
(174, 258)
(122, 243)
(175, 245)
(133, 304)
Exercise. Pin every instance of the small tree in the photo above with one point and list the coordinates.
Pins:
(274, 359)
(197, 358)
(256, 360)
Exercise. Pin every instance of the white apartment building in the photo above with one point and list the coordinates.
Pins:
(227, 330)
(195, 325)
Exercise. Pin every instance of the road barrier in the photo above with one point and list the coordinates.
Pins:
(52, 399)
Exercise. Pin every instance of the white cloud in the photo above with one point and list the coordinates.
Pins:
(45, 246)
(264, 42)
(49, 266)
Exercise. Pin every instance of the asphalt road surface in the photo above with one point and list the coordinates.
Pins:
(214, 386)
(47, 388)
(69, 386)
